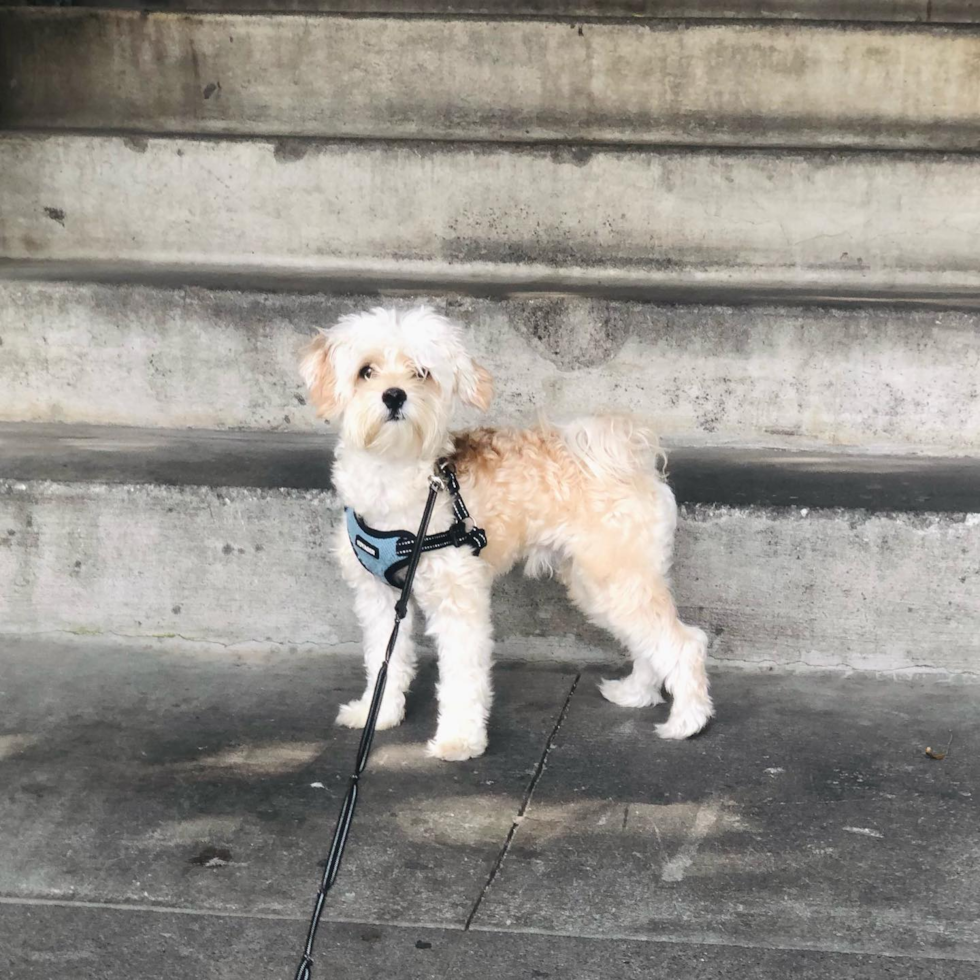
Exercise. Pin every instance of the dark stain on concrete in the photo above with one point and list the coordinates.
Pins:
(211, 88)
(578, 156)
(290, 150)
(138, 144)
(227, 549)
(176, 610)
(422, 944)
(212, 857)
(56, 214)
(538, 249)
(572, 336)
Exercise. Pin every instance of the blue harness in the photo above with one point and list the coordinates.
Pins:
(387, 553)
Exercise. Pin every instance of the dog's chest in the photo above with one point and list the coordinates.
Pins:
(386, 499)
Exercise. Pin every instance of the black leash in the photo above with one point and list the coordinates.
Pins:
(305, 970)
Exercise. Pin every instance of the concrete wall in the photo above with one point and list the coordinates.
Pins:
(751, 84)
(824, 589)
(876, 378)
(819, 223)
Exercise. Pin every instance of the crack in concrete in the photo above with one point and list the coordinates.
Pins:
(525, 804)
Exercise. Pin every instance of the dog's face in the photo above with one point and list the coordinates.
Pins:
(391, 379)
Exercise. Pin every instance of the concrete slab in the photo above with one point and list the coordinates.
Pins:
(805, 834)
(808, 813)
(126, 772)
(704, 83)
(885, 379)
(778, 739)
(441, 214)
(101, 944)
(839, 589)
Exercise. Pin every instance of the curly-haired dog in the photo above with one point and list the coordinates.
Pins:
(581, 500)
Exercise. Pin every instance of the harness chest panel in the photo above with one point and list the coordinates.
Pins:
(386, 554)
(379, 551)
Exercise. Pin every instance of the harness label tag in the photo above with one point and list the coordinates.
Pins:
(366, 546)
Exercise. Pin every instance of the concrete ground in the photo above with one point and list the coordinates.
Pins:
(163, 814)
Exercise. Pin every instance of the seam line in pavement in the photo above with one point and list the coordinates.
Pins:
(694, 941)
(448, 927)
(525, 803)
(67, 903)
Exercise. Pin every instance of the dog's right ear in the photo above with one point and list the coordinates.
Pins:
(317, 370)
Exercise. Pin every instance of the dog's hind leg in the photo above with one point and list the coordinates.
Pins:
(641, 688)
(634, 603)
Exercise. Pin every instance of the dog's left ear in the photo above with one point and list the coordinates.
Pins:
(474, 384)
(317, 371)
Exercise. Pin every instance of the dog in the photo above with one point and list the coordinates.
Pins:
(583, 501)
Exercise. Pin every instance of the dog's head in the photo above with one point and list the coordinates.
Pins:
(391, 378)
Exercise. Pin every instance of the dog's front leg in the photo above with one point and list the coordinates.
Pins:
(374, 603)
(456, 602)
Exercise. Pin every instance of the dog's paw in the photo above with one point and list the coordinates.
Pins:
(457, 748)
(627, 693)
(685, 723)
(354, 714)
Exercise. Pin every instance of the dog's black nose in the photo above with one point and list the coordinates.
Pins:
(394, 398)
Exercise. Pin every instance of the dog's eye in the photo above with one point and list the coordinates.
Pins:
(421, 373)
(365, 372)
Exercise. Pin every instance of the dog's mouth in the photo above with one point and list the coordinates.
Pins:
(396, 416)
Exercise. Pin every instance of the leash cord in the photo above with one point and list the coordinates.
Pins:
(346, 817)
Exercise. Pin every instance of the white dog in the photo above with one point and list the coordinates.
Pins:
(579, 500)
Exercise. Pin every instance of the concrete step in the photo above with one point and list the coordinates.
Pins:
(885, 11)
(796, 561)
(501, 215)
(882, 379)
(806, 834)
(708, 84)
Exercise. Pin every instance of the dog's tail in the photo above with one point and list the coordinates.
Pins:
(613, 446)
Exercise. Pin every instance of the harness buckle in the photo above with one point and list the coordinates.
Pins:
(437, 483)
(460, 533)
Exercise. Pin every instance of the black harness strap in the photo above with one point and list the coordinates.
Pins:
(462, 532)
(305, 970)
